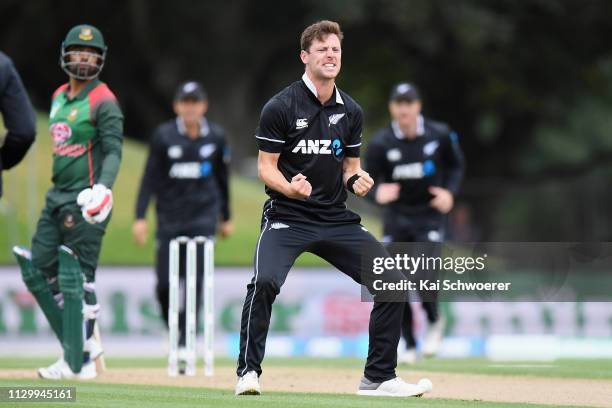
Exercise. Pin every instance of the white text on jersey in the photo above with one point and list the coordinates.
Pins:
(313, 147)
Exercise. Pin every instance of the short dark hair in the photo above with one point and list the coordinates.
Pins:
(319, 31)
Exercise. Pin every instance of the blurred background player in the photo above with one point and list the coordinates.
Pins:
(86, 126)
(18, 116)
(187, 173)
(417, 166)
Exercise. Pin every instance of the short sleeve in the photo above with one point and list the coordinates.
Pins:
(272, 131)
(353, 143)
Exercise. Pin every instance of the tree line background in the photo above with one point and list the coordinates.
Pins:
(526, 84)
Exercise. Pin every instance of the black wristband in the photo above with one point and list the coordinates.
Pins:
(351, 181)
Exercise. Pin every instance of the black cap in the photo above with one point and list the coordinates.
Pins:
(191, 90)
(405, 92)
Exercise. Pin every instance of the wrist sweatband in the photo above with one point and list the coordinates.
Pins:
(351, 181)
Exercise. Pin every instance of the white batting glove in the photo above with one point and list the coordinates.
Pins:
(96, 203)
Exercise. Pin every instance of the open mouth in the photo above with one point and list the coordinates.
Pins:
(329, 66)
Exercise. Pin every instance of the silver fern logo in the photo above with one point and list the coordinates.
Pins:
(334, 119)
(278, 225)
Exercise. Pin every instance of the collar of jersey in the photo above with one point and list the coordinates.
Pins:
(204, 127)
(398, 132)
(313, 89)
(85, 91)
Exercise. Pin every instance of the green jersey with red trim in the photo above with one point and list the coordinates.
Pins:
(87, 133)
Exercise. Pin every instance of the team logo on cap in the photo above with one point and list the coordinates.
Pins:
(190, 87)
(403, 88)
(86, 34)
(60, 132)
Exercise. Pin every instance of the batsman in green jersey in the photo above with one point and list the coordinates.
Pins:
(86, 125)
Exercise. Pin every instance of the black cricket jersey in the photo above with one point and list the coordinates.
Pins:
(18, 116)
(187, 177)
(312, 139)
(433, 158)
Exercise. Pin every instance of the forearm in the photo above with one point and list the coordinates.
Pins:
(356, 180)
(274, 179)
(142, 202)
(350, 167)
(15, 148)
(222, 177)
(110, 168)
(455, 165)
(453, 182)
(110, 128)
(225, 208)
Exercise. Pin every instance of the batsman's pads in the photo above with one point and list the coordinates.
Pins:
(71, 286)
(38, 285)
(96, 203)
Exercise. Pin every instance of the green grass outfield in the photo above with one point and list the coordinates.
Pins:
(595, 369)
(26, 185)
(135, 396)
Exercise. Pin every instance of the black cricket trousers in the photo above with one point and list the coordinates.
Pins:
(279, 244)
(412, 229)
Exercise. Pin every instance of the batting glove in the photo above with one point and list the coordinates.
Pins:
(96, 203)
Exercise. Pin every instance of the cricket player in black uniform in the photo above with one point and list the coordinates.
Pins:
(309, 137)
(18, 117)
(187, 174)
(417, 165)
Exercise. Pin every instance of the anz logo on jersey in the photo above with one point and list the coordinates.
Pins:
(414, 170)
(190, 170)
(333, 147)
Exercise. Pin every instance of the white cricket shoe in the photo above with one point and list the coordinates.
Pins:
(395, 387)
(407, 356)
(88, 371)
(433, 338)
(60, 370)
(248, 384)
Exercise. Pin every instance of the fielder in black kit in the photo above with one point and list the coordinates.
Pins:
(418, 166)
(18, 116)
(309, 137)
(187, 174)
